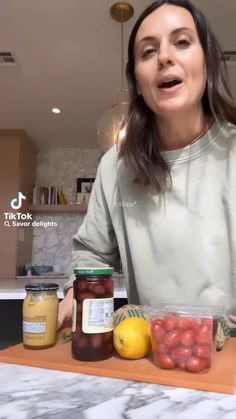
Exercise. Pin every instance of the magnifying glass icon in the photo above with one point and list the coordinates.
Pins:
(6, 224)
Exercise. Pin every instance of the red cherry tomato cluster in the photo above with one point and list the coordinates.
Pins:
(182, 342)
(91, 346)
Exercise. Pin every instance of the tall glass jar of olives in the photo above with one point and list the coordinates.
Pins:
(92, 317)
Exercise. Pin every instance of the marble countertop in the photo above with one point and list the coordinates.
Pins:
(30, 393)
(14, 289)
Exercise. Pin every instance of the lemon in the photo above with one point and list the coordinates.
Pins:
(132, 338)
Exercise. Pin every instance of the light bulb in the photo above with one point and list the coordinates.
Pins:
(109, 127)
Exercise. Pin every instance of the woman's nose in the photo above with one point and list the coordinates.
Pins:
(165, 56)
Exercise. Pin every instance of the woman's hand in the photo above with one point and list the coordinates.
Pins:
(65, 310)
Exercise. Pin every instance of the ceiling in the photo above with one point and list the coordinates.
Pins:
(68, 56)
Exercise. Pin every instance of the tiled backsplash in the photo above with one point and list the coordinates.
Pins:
(60, 167)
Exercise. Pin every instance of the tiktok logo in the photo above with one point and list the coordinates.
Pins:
(16, 203)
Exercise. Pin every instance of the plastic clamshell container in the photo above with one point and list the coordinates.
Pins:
(183, 337)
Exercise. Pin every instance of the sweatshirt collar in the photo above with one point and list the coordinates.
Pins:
(193, 150)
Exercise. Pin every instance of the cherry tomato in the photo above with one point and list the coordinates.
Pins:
(161, 348)
(202, 351)
(172, 338)
(181, 362)
(158, 332)
(169, 322)
(175, 353)
(180, 351)
(185, 323)
(187, 338)
(158, 321)
(165, 361)
(203, 334)
(195, 364)
(195, 325)
(207, 322)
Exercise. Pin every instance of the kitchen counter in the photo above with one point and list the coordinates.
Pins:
(29, 393)
(11, 289)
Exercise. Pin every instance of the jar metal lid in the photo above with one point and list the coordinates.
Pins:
(43, 286)
(93, 271)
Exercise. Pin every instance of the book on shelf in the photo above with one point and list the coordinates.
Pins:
(61, 197)
(51, 195)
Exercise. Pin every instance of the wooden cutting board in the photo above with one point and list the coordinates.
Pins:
(220, 378)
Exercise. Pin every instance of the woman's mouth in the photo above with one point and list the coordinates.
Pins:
(170, 85)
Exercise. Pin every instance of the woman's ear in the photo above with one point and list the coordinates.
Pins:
(138, 90)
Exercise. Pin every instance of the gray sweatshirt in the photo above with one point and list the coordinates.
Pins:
(176, 249)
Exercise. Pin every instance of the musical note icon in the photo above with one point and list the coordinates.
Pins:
(16, 203)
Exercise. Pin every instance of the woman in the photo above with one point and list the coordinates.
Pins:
(164, 200)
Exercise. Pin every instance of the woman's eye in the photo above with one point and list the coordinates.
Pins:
(183, 43)
(148, 52)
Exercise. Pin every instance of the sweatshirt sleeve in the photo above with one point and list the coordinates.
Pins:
(95, 243)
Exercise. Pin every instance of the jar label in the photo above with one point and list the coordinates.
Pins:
(34, 326)
(97, 315)
(74, 315)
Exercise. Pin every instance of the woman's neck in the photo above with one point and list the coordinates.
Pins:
(176, 133)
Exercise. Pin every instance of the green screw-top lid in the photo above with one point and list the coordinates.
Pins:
(93, 271)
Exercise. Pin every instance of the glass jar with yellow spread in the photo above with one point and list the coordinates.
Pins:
(40, 310)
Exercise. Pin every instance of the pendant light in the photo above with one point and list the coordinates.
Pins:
(109, 126)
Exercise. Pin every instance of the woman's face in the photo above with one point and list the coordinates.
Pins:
(170, 65)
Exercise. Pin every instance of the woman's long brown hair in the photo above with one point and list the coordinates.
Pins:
(140, 148)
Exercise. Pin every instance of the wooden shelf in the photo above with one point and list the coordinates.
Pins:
(59, 208)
